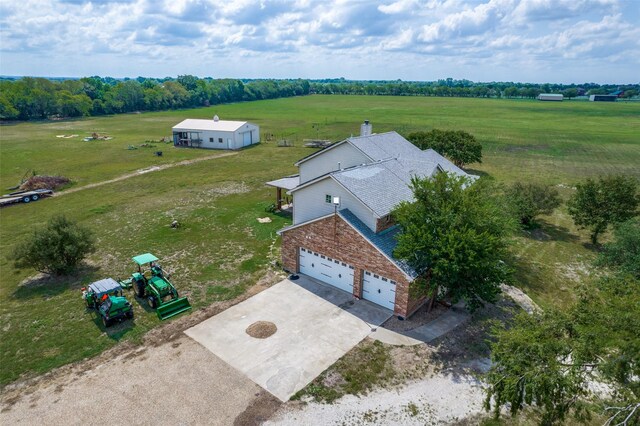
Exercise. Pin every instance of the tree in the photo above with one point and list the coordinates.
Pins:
(56, 249)
(549, 360)
(454, 236)
(530, 200)
(459, 146)
(607, 201)
(624, 251)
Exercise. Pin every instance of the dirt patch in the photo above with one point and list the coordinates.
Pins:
(261, 329)
(44, 182)
(421, 317)
(260, 410)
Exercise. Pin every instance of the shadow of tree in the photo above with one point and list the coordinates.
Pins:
(43, 285)
(468, 346)
(545, 231)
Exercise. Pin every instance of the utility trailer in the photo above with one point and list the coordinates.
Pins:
(24, 196)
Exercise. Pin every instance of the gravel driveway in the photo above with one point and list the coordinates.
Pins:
(178, 382)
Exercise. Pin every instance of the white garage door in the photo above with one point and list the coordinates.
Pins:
(379, 290)
(246, 139)
(326, 269)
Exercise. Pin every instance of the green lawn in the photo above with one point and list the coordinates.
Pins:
(221, 249)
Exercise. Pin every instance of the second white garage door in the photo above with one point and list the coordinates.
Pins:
(326, 269)
(379, 290)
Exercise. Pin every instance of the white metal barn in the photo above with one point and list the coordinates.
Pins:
(215, 134)
(550, 97)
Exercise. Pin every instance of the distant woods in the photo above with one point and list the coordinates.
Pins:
(38, 98)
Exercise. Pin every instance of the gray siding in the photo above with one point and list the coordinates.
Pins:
(309, 203)
(326, 162)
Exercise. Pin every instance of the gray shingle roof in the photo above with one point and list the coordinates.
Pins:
(385, 241)
(380, 146)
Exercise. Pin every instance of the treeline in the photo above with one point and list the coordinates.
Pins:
(466, 88)
(31, 98)
(37, 98)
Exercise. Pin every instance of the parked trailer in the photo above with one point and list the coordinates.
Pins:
(24, 196)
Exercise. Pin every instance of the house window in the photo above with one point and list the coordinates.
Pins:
(219, 140)
(328, 199)
(210, 139)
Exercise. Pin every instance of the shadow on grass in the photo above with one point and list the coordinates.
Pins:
(477, 172)
(115, 331)
(545, 231)
(43, 285)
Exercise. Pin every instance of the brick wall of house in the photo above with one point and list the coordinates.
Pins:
(335, 238)
(384, 223)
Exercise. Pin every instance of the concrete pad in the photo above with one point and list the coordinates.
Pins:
(367, 311)
(392, 338)
(441, 325)
(312, 334)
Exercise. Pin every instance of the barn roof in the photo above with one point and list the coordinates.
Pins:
(199, 124)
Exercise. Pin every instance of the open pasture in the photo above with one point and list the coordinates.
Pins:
(221, 248)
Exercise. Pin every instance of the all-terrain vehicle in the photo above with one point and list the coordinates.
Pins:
(151, 282)
(106, 297)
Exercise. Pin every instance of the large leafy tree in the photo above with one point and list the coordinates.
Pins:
(607, 201)
(530, 200)
(550, 360)
(624, 251)
(55, 249)
(455, 236)
(459, 146)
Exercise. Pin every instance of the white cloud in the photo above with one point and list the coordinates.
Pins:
(310, 38)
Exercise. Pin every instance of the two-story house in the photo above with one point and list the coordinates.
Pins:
(342, 231)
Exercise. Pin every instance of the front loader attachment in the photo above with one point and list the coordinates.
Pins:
(173, 308)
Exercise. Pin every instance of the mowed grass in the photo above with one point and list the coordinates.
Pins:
(221, 249)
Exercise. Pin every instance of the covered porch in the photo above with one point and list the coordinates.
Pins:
(283, 201)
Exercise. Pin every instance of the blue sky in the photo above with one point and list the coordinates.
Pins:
(559, 41)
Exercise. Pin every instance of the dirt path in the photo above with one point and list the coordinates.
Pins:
(143, 171)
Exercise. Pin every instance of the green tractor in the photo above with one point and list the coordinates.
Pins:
(106, 297)
(152, 283)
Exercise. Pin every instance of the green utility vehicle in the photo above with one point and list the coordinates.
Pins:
(106, 297)
(152, 283)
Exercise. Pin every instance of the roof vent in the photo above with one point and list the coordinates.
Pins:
(366, 128)
(216, 118)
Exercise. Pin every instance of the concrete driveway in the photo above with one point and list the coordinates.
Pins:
(312, 333)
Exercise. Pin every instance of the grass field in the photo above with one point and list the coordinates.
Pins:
(221, 249)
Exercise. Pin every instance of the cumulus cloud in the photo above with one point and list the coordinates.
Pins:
(297, 37)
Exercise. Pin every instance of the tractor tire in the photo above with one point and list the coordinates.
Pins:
(152, 302)
(106, 322)
(139, 289)
(130, 314)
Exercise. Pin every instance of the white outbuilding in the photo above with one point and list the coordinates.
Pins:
(215, 134)
(550, 97)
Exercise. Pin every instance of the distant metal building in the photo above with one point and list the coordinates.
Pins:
(215, 134)
(603, 98)
(550, 97)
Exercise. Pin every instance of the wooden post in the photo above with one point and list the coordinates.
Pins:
(279, 198)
